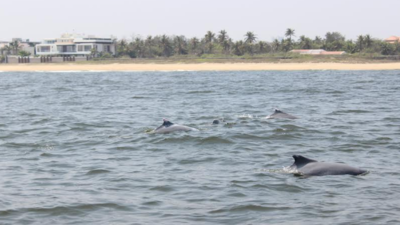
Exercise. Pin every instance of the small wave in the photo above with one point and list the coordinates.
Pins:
(193, 161)
(245, 116)
(97, 171)
(349, 111)
(200, 92)
(215, 140)
(138, 97)
(249, 207)
(164, 188)
(65, 210)
(152, 203)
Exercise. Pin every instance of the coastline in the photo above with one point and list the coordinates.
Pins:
(196, 67)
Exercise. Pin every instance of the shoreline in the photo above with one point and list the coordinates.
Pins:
(196, 67)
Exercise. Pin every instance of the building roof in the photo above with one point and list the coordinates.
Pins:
(333, 53)
(392, 38)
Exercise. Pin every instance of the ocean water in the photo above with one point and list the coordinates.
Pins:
(77, 147)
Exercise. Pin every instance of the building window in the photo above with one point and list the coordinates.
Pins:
(88, 48)
(44, 49)
(80, 48)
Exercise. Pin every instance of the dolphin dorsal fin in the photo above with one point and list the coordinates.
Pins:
(167, 123)
(300, 160)
(277, 111)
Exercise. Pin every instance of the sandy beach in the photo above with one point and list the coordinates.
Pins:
(199, 67)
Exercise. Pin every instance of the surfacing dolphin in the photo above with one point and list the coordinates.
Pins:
(280, 114)
(168, 127)
(310, 167)
(218, 121)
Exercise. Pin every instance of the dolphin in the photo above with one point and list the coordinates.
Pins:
(215, 122)
(218, 121)
(310, 167)
(280, 114)
(168, 127)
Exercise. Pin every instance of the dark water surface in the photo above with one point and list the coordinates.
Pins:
(74, 147)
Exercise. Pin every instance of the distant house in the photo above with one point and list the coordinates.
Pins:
(317, 52)
(74, 45)
(392, 40)
(23, 45)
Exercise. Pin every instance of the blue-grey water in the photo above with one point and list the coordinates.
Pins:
(75, 147)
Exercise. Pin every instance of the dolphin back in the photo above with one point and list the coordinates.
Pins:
(322, 169)
(310, 167)
(168, 127)
(280, 114)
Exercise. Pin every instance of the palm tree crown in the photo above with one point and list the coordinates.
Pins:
(250, 37)
(289, 33)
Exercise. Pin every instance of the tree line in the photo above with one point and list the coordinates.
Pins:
(221, 44)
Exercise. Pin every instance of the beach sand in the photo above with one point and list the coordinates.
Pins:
(199, 67)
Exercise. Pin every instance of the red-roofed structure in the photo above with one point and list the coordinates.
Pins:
(392, 39)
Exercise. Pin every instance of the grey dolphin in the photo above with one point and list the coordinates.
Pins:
(280, 114)
(218, 121)
(310, 167)
(168, 126)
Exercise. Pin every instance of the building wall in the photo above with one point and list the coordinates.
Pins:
(74, 49)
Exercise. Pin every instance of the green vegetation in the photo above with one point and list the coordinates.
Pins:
(24, 53)
(14, 48)
(220, 45)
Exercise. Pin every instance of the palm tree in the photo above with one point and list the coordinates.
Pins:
(165, 46)
(122, 47)
(237, 48)
(194, 44)
(262, 47)
(305, 42)
(226, 46)
(222, 37)
(289, 33)
(180, 45)
(209, 37)
(387, 49)
(275, 45)
(138, 47)
(15, 46)
(350, 47)
(250, 38)
(368, 40)
(360, 42)
(318, 40)
(148, 43)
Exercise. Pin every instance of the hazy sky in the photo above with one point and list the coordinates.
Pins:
(268, 19)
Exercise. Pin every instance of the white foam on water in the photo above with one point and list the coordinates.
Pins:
(289, 169)
(246, 116)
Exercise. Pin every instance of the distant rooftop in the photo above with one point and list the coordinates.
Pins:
(392, 39)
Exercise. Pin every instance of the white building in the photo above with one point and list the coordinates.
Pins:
(74, 45)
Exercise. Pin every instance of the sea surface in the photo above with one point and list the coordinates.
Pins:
(78, 147)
